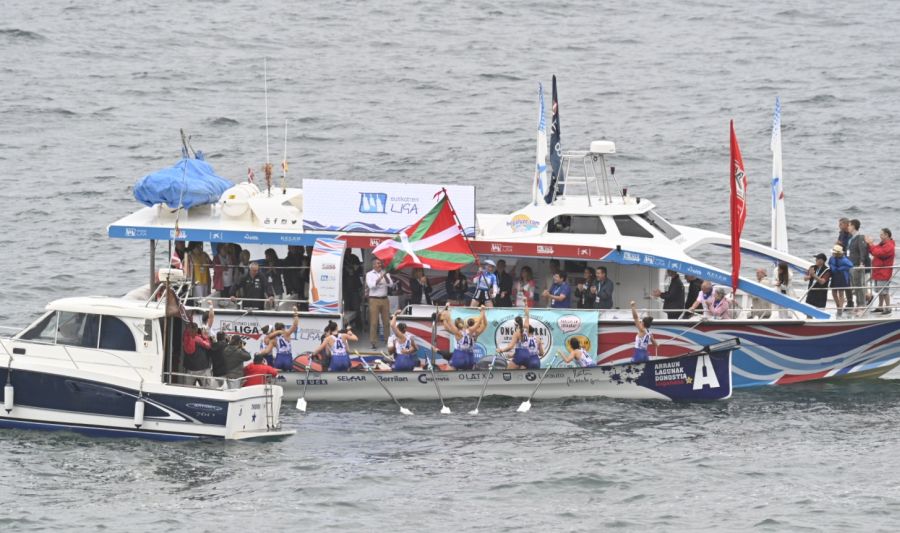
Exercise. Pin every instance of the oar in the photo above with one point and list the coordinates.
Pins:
(444, 409)
(526, 405)
(483, 387)
(301, 403)
(403, 410)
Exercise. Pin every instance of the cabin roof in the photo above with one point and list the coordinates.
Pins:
(99, 305)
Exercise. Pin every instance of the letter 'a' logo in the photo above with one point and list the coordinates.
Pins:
(704, 374)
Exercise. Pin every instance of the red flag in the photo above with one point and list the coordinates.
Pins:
(436, 241)
(738, 207)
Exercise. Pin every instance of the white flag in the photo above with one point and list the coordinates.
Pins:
(540, 170)
(779, 222)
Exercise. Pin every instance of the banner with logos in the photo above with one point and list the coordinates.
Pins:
(554, 327)
(378, 207)
(249, 326)
(325, 274)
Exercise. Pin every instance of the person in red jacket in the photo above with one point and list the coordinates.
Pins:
(258, 369)
(882, 269)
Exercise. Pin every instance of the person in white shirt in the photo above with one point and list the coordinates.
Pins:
(761, 308)
(706, 299)
(377, 283)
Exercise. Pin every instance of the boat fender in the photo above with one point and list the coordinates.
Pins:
(138, 413)
(8, 398)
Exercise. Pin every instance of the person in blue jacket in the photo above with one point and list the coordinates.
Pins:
(840, 276)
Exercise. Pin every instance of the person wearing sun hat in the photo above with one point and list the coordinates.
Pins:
(817, 282)
(840, 276)
(485, 285)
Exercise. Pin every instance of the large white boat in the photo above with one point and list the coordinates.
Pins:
(593, 222)
(100, 366)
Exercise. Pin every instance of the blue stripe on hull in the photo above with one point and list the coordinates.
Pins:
(66, 393)
(95, 431)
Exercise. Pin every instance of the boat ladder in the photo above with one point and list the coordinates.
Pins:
(270, 407)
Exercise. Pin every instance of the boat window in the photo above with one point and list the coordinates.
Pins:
(591, 225)
(630, 227)
(658, 222)
(43, 331)
(78, 329)
(115, 335)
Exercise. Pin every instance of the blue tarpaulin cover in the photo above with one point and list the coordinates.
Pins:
(201, 185)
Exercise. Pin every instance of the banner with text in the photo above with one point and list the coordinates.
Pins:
(249, 326)
(378, 207)
(325, 274)
(554, 327)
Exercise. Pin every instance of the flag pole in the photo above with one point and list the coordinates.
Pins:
(461, 227)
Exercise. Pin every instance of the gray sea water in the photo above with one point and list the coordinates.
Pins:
(92, 95)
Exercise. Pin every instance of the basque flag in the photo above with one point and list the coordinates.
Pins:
(738, 207)
(436, 241)
(556, 187)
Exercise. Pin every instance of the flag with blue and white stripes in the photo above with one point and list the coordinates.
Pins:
(540, 170)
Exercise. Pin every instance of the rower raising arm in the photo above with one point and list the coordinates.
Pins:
(479, 326)
(401, 335)
(644, 338)
(518, 335)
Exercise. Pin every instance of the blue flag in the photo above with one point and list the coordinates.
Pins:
(556, 178)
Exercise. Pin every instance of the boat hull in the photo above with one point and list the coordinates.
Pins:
(49, 400)
(698, 377)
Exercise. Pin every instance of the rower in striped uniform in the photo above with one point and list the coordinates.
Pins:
(279, 341)
(579, 355)
(644, 338)
(338, 345)
(466, 333)
(528, 347)
(405, 349)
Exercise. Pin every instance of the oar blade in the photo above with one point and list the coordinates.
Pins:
(301, 404)
(406, 411)
(525, 407)
(445, 410)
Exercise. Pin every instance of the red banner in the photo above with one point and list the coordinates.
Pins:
(738, 207)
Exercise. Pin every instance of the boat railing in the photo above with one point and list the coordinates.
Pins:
(282, 304)
(218, 382)
(596, 180)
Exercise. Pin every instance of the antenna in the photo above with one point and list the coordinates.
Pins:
(267, 169)
(266, 96)
(284, 164)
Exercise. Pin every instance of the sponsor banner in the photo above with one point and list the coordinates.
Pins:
(287, 238)
(307, 338)
(554, 327)
(325, 273)
(527, 249)
(705, 377)
(378, 207)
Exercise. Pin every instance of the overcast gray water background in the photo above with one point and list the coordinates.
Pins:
(91, 98)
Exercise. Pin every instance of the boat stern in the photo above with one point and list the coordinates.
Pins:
(256, 415)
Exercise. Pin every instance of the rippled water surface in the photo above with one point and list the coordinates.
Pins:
(92, 95)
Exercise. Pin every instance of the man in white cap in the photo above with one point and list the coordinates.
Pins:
(485, 285)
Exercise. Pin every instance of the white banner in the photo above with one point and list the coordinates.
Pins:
(249, 326)
(325, 274)
(378, 207)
